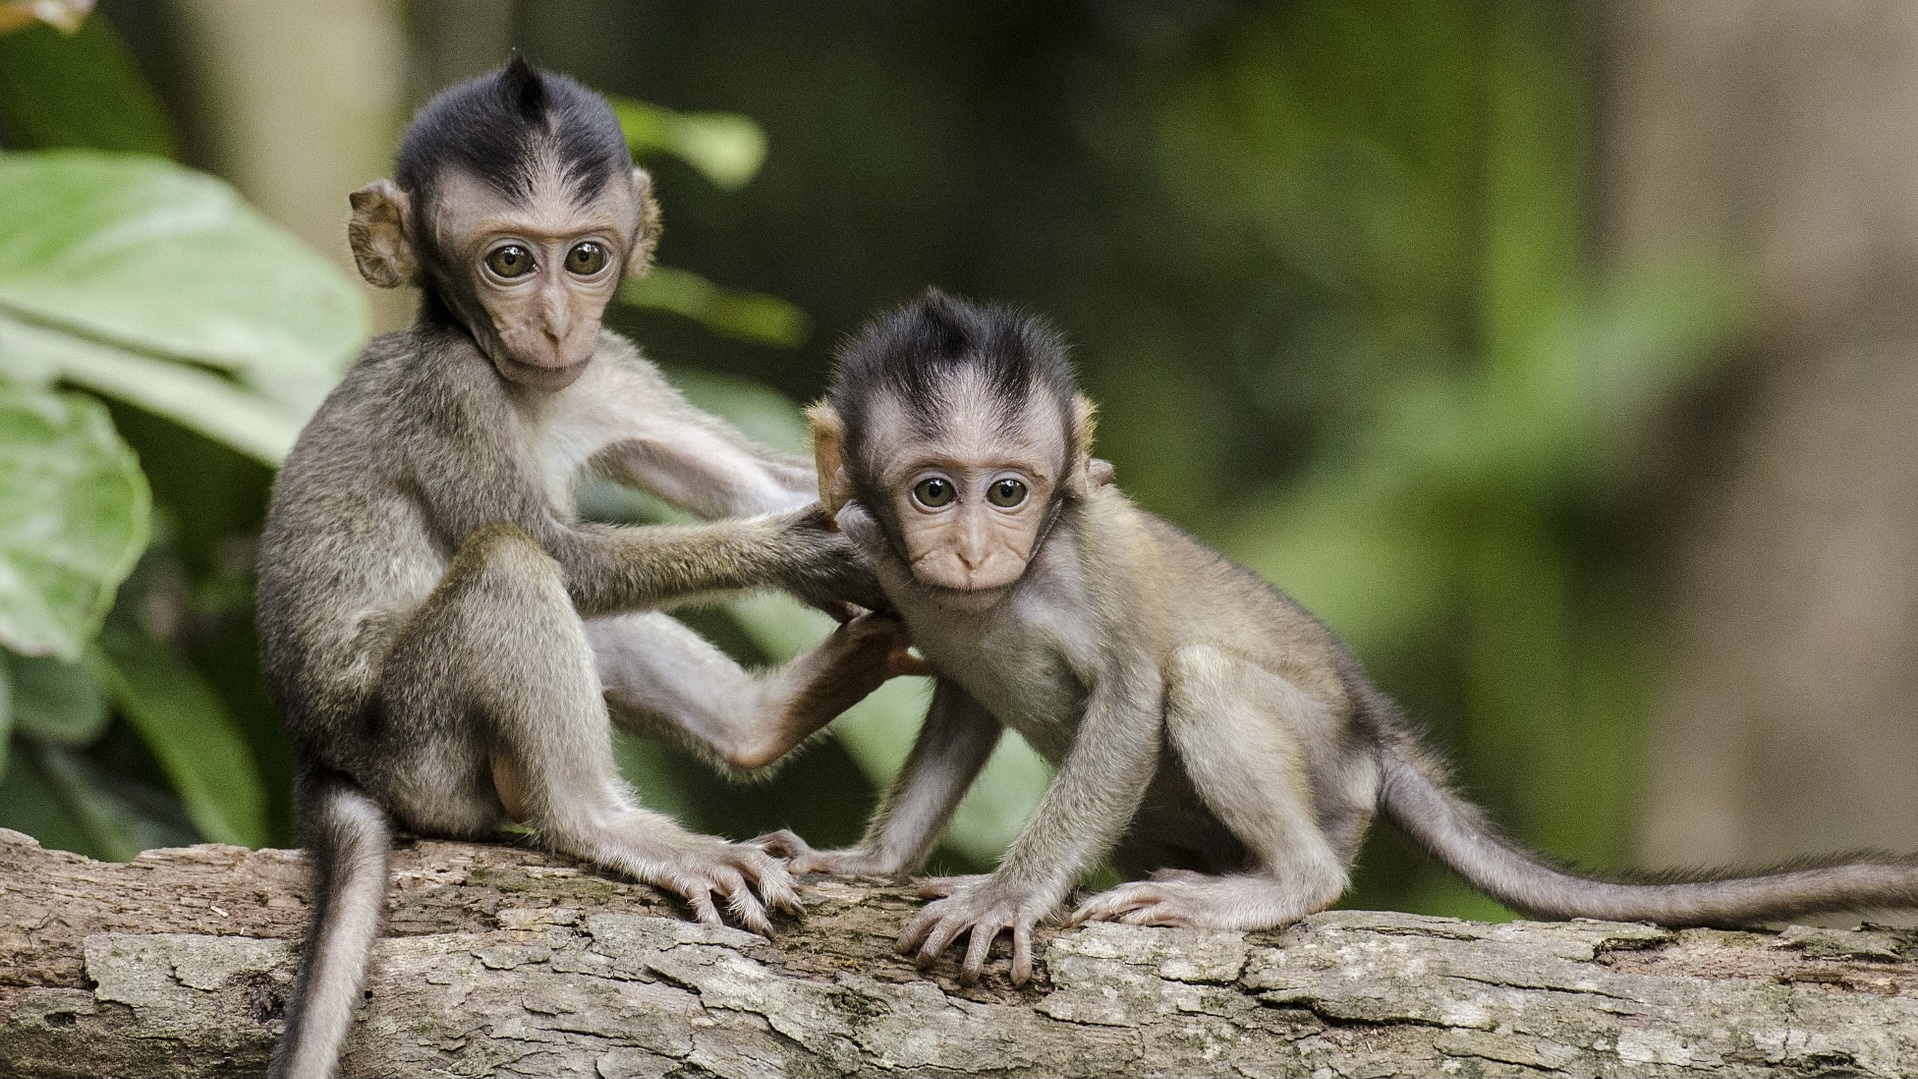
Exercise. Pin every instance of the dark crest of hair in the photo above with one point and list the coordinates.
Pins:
(912, 352)
(494, 127)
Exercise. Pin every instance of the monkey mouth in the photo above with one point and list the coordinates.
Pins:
(540, 376)
(965, 599)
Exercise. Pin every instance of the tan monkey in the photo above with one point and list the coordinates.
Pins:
(1208, 731)
(441, 634)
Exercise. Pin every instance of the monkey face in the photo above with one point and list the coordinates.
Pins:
(542, 269)
(971, 501)
(530, 276)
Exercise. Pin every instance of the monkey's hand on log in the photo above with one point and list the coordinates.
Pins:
(697, 870)
(847, 862)
(984, 906)
(827, 569)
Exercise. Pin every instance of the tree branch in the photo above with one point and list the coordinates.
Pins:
(509, 961)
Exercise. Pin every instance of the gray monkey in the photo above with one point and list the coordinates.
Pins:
(1210, 734)
(440, 633)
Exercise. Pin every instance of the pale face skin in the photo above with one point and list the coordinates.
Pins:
(542, 268)
(972, 497)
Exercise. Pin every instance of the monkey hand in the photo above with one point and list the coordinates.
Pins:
(874, 647)
(848, 862)
(827, 569)
(696, 871)
(986, 907)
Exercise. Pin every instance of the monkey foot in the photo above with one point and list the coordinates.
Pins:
(983, 907)
(1181, 898)
(802, 858)
(732, 871)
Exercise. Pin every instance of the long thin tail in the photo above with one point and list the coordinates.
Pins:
(1415, 797)
(350, 840)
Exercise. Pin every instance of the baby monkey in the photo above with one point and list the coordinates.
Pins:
(1210, 734)
(447, 643)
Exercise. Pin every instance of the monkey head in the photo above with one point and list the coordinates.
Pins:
(517, 210)
(957, 430)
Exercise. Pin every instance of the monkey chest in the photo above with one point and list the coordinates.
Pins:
(1017, 670)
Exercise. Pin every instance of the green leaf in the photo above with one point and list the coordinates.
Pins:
(74, 512)
(726, 147)
(55, 701)
(78, 90)
(140, 253)
(185, 724)
(748, 316)
(192, 397)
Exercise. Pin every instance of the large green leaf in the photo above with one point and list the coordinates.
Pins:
(73, 518)
(193, 397)
(183, 721)
(141, 254)
(77, 90)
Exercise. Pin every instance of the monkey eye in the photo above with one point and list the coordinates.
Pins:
(1006, 492)
(933, 492)
(586, 259)
(510, 260)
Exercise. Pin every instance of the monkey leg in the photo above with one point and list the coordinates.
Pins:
(661, 678)
(492, 690)
(1233, 727)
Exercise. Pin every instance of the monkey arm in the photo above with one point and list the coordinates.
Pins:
(954, 743)
(610, 568)
(705, 472)
(695, 460)
(1096, 792)
(1092, 799)
(613, 568)
(661, 678)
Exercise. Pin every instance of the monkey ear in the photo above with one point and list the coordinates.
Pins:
(828, 440)
(1082, 471)
(639, 261)
(380, 232)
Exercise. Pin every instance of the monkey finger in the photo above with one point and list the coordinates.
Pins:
(784, 843)
(935, 887)
(939, 940)
(730, 883)
(1021, 953)
(983, 935)
(745, 908)
(778, 892)
(701, 900)
(916, 929)
(1103, 907)
(841, 611)
(906, 660)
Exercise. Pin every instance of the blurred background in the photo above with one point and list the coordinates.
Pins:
(1559, 355)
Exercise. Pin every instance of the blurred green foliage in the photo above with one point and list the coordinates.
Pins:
(1326, 265)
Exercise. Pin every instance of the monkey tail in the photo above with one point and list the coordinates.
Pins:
(350, 840)
(1415, 796)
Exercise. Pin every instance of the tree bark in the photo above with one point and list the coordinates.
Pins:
(503, 960)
